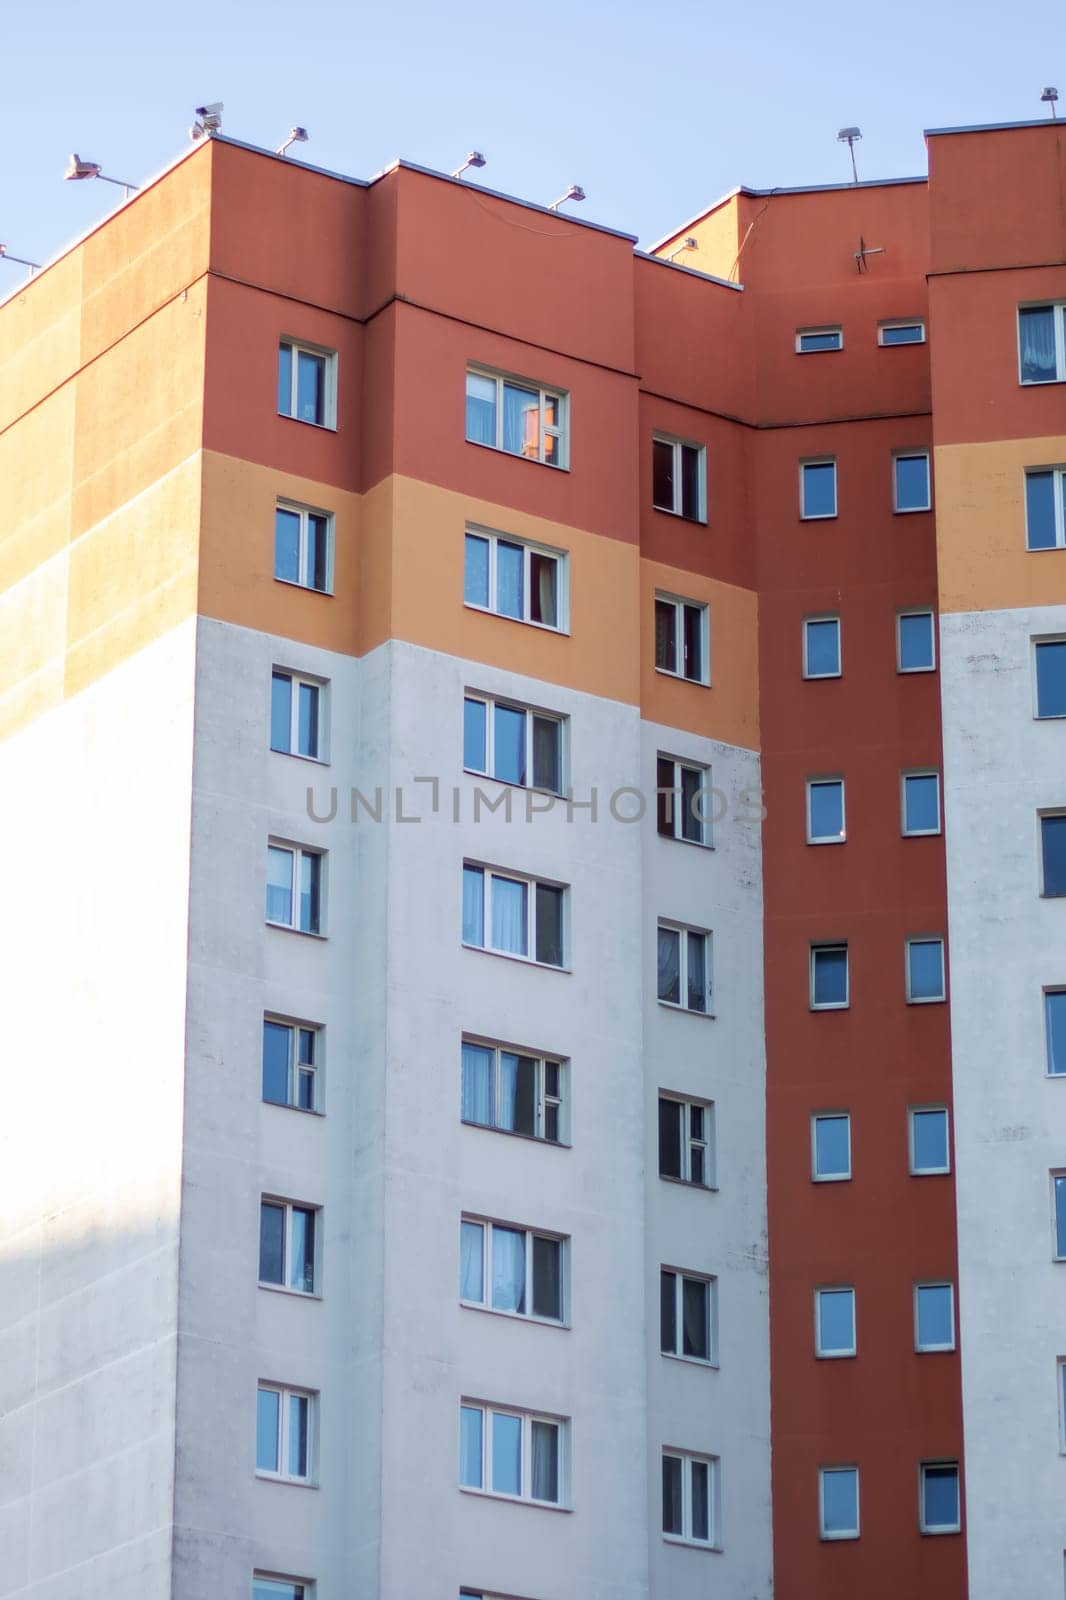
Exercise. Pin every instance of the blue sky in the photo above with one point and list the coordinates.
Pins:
(655, 109)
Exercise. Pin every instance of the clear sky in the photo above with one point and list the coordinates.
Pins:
(656, 109)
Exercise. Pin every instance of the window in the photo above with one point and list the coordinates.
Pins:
(264, 1588)
(920, 793)
(513, 744)
(283, 1433)
(513, 916)
(307, 384)
(809, 340)
(928, 1137)
(287, 1246)
(910, 482)
(687, 1316)
(901, 333)
(294, 888)
(303, 547)
(297, 724)
(518, 417)
(1058, 1198)
(925, 971)
(818, 489)
(830, 1146)
(1053, 852)
(690, 1498)
(514, 579)
(821, 647)
(512, 1453)
(825, 811)
(682, 793)
(682, 644)
(512, 1269)
(686, 1141)
(290, 1064)
(915, 642)
(1050, 662)
(838, 1502)
(938, 1497)
(934, 1316)
(1045, 508)
(679, 478)
(1042, 343)
(834, 1322)
(829, 977)
(684, 968)
(514, 1092)
(1055, 1026)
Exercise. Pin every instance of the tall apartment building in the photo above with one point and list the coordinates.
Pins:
(484, 708)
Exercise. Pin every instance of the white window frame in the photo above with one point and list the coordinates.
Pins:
(287, 1391)
(714, 1494)
(928, 1172)
(678, 444)
(828, 1177)
(815, 677)
(490, 702)
(1058, 494)
(305, 513)
(709, 1283)
(911, 455)
(843, 1353)
(1060, 1391)
(542, 1060)
(915, 611)
(489, 874)
(918, 833)
(844, 1533)
(684, 930)
(1048, 990)
(1057, 1176)
(298, 852)
(546, 394)
(823, 782)
(700, 815)
(312, 1070)
(488, 1225)
(303, 1588)
(831, 944)
(298, 680)
(929, 1349)
(822, 332)
(900, 322)
(489, 1409)
(290, 1207)
(1037, 642)
(935, 1529)
(1058, 306)
(930, 999)
(1046, 814)
(678, 601)
(329, 382)
(493, 538)
(817, 516)
(689, 1143)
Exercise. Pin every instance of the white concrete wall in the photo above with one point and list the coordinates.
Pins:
(1006, 943)
(96, 800)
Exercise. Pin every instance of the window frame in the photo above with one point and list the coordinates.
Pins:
(818, 516)
(489, 1409)
(679, 603)
(290, 1207)
(668, 924)
(488, 875)
(900, 322)
(301, 1588)
(1040, 642)
(493, 537)
(299, 853)
(298, 680)
(1057, 1175)
(303, 554)
(287, 1392)
(904, 778)
(911, 455)
(546, 393)
(671, 798)
(825, 1533)
(678, 445)
(829, 1177)
(491, 702)
(916, 611)
(815, 677)
(1057, 475)
(1047, 992)
(928, 1172)
(1050, 814)
(816, 947)
(819, 782)
(312, 1070)
(488, 1226)
(709, 1283)
(543, 1060)
(934, 1349)
(688, 1142)
(822, 331)
(1059, 326)
(935, 1529)
(329, 381)
(714, 1512)
(841, 1353)
(925, 999)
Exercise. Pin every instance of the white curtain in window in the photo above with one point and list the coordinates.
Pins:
(510, 571)
(480, 409)
(473, 906)
(477, 1084)
(470, 1426)
(508, 1269)
(545, 1474)
(669, 964)
(1037, 329)
(521, 421)
(509, 917)
(472, 1262)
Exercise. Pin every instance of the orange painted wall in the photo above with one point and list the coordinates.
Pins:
(998, 198)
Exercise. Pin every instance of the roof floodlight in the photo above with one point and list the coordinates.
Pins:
(77, 168)
(1049, 96)
(5, 255)
(691, 243)
(296, 136)
(575, 192)
(849, 136)
(474, 159)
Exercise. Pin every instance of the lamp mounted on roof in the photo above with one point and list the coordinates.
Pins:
(575, 192)
(1049, 96)
(5, 255)
(850, 136)
(691, 243)
(474, 159)
(296, 136)
(77, 168)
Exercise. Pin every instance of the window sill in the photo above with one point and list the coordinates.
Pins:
(821, 677)
(1051, 716)
(305, 422)
(831, 1177)
(515, 1499)
(910, 511)
(519, 788)
(304, 933)
(821, 516)
(938, 1533)
(279, 1477)
(691, 1361)
(692, 1544)
(686, 1011)
(677, 838)
(827, 841)
(516, 1133)
(909, 672)
(835, 1355)
(307, 588)
(697, 683)
(525, 622)
(930, 1172)
(295, 1294)
(837, 1538)
(1039, 383)
(509, 955)
(928, 1000)
(687, 1183)
(920, 833)
(515, 1316)
(680, 516)
(833, 1005)
(285, 1105)
(297, 755)
(1044, 549)
(516, 455)
(934, 1350)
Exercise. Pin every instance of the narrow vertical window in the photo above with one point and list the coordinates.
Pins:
(834, 1321)
(829, 977)
(929, 1149)
(1055, 1029)
(1045, 508)
(821, 647)
(925, 971)
(910, 482)
(920, 793)
(818, 489)
(838, 1498)
(1053, 853)
(825, 811)
(915, 642)
(939, 1508)
(1049, 660)
(830, 1147)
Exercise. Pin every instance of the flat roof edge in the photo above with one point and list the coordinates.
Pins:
(764, 194)
(690, 272)
(500, 194)
(289, 161)
(995, 127)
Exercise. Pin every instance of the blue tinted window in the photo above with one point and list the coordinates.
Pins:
(475, 735)
(510, 575)
(903, 333)
(506, 1453)
(509, 744)
(832, 1147)
(925, 969)
(268, 1414)
(285, 380)
(822, 647)
(826, 810)
(1055, 1018)
(916, 650)
(1040, 510)
(476, 571)
(940, 1497)
(1051, 679)
(471, 1423)
(1053, 845)
(287, 545)
(840, 1501)
(929, 1138)
(277, 1044)
(1036, 335)
(912, 483)
(473, 906)
(280, 712)
(310, 387)
(819, 498)
(836, 1321)
(480, 409)
(935, 1316)
(921, 803)
(830, 339)
(830, 976)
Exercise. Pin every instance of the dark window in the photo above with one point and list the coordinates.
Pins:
(1053, 842)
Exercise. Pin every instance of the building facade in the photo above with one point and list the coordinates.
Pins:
(502, 731)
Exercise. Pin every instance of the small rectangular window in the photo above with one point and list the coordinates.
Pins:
(307, 383)
(1055, 1030)
(513, 743)
(502, 1268)
(934, 1316)
(683, 800)
(915, 642)
(1053, 853)
(287, 1245)
(1058, 1201)
(688, 1316)
(925, 971)
(303, 547)
(920, 797)
(690, 1498)
(830, 1146)
(829, 977)
(513, 916)
(679, 478)
(284, 1433)
(511, 578)
(294, 888)
(928, 1138)
(821, 647)
(825, 811)
(901, 333)
(684, 967)
(938, 1505)
(1049, 662)
(1042, 343)
(515, 1091)
(810, 340)
(517, 417)
(682, 639)
(267, 1588)
(1045, 508)
(910, 481)
(686, 1141)
(818, 489)
(515, 1454)
(291, 1052)
(838, 1502)
(834, 1322)
(297, 715)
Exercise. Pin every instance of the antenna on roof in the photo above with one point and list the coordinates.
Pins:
(575, 192)
(208, 120)
(865, 250)
(474, 159)
(1050, 96)
(296, 136)
(849, 136)
(5, 255)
